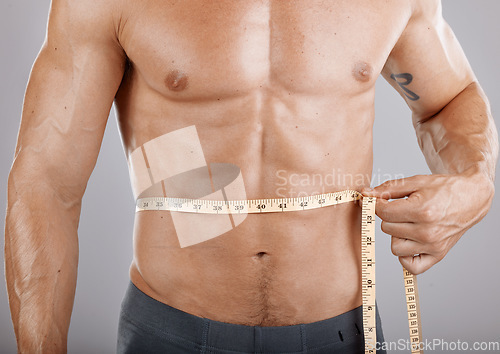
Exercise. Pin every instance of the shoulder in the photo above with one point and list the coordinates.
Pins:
(426, 10)
(84, 20)
(425, 23)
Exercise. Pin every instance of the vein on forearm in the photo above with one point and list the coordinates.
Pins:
(41, 250)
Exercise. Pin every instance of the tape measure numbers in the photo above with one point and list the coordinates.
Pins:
(255, 206)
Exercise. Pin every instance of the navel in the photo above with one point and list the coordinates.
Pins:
(176, 80)
(261, 256)
(362, 71)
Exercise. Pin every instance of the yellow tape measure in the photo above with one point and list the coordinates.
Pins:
(254, 206)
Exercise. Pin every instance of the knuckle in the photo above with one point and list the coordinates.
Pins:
(434, 231)
(428, 214)
(415, 197)
(430, 234)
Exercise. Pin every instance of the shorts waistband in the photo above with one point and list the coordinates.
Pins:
(167, 320)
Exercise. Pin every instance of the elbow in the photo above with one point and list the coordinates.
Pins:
(35, 182)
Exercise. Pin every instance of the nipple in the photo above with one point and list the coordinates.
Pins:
(176, 80)
(362, 71)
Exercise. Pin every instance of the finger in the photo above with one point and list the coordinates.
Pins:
(397, 188)
(398, 210)
(418, 264)
(403, 247)
(427, 235)
(401, 230)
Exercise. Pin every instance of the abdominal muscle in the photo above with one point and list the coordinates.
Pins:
(273, 269)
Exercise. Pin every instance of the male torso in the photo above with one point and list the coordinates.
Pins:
(285, 91)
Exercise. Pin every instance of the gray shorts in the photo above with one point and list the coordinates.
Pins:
(149, 326)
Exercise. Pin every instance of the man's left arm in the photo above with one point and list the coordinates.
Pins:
(456, 134)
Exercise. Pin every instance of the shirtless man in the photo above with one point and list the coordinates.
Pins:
(271, 86)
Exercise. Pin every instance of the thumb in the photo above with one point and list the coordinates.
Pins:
(417, 264)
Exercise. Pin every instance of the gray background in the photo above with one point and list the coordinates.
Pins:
(459, 296)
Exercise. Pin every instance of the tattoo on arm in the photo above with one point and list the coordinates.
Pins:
(404, 80)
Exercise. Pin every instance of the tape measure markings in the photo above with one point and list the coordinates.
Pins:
(368, 273)
(249, 206)
(413, 308)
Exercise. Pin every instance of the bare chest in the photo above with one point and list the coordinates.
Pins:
(195, 49)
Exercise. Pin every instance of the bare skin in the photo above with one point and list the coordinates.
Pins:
(271, 86)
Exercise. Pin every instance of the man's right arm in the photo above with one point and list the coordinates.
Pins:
(68, 98)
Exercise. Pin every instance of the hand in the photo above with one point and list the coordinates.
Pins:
(436, 213)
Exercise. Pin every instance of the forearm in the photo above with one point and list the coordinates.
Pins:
(462, 137)
(41, 255)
